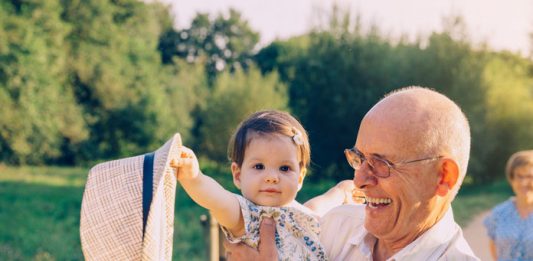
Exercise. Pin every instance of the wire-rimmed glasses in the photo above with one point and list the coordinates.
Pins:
(380, 167)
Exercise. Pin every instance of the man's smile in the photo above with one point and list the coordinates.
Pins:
(377, 202)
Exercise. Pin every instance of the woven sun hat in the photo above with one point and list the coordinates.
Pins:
(127, 211)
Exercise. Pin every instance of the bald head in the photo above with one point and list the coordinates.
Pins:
(429, 123)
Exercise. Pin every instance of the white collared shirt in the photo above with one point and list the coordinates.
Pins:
(344, 237)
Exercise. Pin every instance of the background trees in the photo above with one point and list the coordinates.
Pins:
(82, 81)
(223, 43)
(39, 115)
(233, 98)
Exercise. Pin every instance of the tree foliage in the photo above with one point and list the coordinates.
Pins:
(234, 97)
(87, 80)
(227, 42)
(508, 84)
(345, 70)
(39, 115)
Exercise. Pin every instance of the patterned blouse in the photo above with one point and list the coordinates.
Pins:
(512, 235)
(297, 232)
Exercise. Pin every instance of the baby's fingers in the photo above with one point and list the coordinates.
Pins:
(186, 163)
(175, 163)
(186, 153)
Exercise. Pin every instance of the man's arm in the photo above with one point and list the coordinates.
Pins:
(267, 247)
(208, 193)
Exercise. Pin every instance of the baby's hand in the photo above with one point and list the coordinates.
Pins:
(186, 165)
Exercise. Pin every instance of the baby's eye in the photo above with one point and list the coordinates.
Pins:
(284, 168)
(259, 166)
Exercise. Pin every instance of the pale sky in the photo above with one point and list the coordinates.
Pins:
(503, 24)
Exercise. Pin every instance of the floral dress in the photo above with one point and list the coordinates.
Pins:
(296, 231)
(512, 235)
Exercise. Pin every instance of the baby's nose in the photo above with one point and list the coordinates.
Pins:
(272, 178)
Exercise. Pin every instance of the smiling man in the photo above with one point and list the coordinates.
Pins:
(410, 158)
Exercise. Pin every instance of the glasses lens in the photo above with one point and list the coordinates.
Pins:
(381, 168)
(378, 166)
(353, 159)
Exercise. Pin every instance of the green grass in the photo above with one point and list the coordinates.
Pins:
(39, 213)
(40, 206)
(475, 199)
(39, 216)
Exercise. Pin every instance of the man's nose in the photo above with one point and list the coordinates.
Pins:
(363, 176)
(272, 177)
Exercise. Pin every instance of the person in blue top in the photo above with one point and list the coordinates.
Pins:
(510, 225)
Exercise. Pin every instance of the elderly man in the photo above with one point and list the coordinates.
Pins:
(410, 158)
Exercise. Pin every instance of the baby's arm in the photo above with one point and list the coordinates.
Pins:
(205, 191)
(338, 195)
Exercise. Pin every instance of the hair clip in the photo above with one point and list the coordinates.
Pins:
(297, 137)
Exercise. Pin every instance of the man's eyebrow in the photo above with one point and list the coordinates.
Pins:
(377, 155)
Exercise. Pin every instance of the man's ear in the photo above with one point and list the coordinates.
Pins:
(236, 173)
(448, 176)
(301, 178)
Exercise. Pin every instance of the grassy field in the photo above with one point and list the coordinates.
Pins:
(40, 206)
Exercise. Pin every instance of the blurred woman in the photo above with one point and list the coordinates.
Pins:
(510, 225)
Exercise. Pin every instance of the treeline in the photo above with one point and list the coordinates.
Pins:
(82, 81)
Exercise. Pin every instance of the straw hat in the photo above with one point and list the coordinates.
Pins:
(120, 218)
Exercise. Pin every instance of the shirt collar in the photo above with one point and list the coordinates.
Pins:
(425, 245)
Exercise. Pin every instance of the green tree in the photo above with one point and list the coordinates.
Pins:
(509, 117)
(227, 42)
(343, 72)
(117, 76)
(88, 82)
(39, 116)
(282, 55)
(234, 97)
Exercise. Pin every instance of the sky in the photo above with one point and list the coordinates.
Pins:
(502, 24)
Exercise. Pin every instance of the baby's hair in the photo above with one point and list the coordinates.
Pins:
(267, 123)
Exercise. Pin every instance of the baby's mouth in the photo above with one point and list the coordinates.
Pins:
(270, 190)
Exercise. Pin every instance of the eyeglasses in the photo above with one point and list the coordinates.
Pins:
(380, 167)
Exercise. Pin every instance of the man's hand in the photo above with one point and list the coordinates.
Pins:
(267, 246)
(186, 165)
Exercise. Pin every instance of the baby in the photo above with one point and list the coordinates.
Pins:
(270, 154)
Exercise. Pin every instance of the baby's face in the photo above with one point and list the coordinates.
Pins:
(270, 174)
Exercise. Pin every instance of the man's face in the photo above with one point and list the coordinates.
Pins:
(402, 205)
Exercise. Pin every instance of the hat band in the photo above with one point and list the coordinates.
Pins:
(148, 182)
